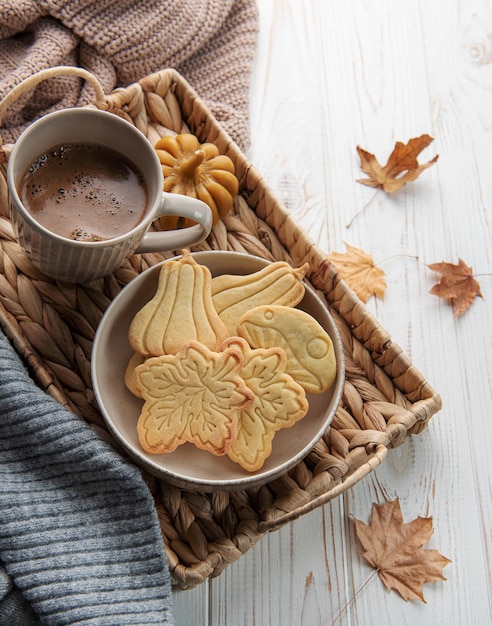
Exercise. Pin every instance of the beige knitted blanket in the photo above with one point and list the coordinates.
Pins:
(210, 42)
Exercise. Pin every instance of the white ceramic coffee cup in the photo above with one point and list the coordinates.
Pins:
(81, 261)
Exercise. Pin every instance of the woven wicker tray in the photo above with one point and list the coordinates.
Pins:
(53, 325)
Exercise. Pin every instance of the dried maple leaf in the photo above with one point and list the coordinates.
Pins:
(457, 285)
(358, 270)
(395, 550)
(196, 395)
(402, 166)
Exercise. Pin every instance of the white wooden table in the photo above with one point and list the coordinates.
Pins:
(331, 75)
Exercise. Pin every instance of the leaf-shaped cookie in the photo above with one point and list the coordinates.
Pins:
(311, 358)
(279, 402)
(195, 395)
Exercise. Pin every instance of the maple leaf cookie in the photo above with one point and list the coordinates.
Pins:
(195, 395)
(279, 402)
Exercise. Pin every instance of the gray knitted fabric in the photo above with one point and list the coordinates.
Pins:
(79, 536)
(210, 42)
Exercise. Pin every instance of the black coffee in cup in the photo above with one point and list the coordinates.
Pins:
(84, 191)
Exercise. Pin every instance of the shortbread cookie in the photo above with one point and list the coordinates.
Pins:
(196, 395)
(277, 283)
(136, 359)
(181, 310)
(279, 402)
(311, 358)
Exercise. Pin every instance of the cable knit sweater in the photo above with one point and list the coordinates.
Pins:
(210, 42)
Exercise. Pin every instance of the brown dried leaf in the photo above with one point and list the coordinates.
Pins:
(358, 270)
(457, 285)
(402, 166)
(394, 549)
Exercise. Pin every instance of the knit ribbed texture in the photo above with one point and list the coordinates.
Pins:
(210, 42)
(79, 536)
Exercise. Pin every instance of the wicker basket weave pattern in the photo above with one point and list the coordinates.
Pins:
(52, 325)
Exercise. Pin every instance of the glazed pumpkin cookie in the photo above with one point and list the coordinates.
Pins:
(181, 310)
(279, 402)
(311, 357)
(196, 395)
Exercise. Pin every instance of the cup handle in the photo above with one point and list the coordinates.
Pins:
(184, 206)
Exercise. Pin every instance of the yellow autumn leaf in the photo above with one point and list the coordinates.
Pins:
(357, 268)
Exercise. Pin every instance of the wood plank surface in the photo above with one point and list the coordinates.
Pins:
(330, 76)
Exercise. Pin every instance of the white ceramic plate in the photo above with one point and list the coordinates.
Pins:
(188, 467)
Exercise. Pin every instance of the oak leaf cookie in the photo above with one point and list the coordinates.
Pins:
(196, 395)
(279, 402)
(311, 357)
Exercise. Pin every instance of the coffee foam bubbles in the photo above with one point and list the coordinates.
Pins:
(85, 192)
